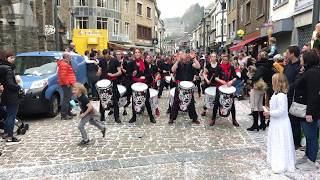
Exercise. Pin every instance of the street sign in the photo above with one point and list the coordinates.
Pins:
(49, 30)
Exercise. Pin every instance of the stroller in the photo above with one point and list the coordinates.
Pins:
(20, 128)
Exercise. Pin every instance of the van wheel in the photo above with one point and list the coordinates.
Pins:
(53, 106)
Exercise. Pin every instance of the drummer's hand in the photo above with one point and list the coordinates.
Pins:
(81, 115)
(99, 72)
(208, 82)
(223, 82)
(134, 73)
(110, 74)
(229, 83)
(142, 77)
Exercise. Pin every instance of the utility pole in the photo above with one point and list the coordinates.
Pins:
(315, 16)
(223, 6)
(56, 24)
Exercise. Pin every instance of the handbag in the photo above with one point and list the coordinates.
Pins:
(298, 109)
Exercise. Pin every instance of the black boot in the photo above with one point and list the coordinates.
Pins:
(263, 121)
(255, 125)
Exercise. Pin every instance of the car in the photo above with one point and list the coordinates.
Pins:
(38, 72)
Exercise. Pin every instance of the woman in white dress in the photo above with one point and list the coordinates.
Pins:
(281, 153)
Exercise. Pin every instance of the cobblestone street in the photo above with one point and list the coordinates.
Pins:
(49, 150)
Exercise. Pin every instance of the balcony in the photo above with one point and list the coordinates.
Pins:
(119, 38)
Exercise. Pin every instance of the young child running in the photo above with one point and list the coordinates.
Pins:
(87, 114)
(280, 148)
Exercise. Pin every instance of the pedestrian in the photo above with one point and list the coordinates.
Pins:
(72, 47)
(92, 69)
(87, 113)
(140, 74)
(315, 40)
(273, 47)
(164, 69)
(226, 75)
(256, 101)
(127, 71)
(184, 69)
(280, 147)
(10, 95)
(66, 78)
(291, 70)
(110, 68)
(307, 93)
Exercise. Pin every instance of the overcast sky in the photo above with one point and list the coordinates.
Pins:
(176, 8)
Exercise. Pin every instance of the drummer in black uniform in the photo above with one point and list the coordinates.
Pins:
(141, 73)
(110, 68)
(184, 70)
(164, 70)
(226, 75)
(127, 70)
(209, 74)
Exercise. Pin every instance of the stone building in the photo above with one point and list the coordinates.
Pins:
(18, 26)
(232, 20)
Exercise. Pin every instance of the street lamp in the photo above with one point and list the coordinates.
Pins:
(208, 40)
(223, 7)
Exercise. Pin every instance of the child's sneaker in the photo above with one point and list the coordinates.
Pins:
(84, 142)
(103, 132)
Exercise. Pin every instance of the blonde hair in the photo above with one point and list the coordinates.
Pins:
(280, 83)
(81, 88)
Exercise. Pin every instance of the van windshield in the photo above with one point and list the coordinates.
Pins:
(35, 65)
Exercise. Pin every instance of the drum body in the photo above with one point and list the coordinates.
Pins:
(104, 88)
(153, 99)
(139, 91)
(172, 91)
(185, 94)
(168, 79)
(122, 100)
(226, 100)
(210, 96)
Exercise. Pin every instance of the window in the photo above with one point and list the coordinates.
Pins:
(81, 2)
(102, 23)
(278, 3)
(231, 4)
(139, 9)
(229, 30)
(127, 5)
(213, 24)
(82, 22)
(126, 28)
(260, 10)
(234, 26)
(58, 2)
(248, 12)
(116, 5)
(144, 32)
(102, 3)
(116, 27)
(224, 27)
(148, 12)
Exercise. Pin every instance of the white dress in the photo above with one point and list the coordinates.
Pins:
(281, 152)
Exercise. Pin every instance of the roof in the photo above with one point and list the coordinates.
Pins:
(44, 53)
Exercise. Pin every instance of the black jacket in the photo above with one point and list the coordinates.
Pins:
(11, 88)
(291, 70)
(309, 81)
(264, 71)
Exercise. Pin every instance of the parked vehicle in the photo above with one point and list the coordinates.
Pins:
(38, 72)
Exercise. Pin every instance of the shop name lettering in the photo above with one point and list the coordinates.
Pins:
(89, 33)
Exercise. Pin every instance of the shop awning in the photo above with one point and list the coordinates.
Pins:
(241, 44)
(116, 46)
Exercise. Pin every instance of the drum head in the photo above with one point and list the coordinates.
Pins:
(211, 91)
(153, 93)
(172, 92)
(121, 90)
(139, 87)
(186, 85)
(103, 83)
(227, 90)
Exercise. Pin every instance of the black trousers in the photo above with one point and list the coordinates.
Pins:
(175, 107)
(147, 105)
(127, 83)
(163, 84)
(198, 84)
(217, 104)
(115, 103)
(296, 129)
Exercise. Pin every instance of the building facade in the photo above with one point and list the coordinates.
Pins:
(232, 20)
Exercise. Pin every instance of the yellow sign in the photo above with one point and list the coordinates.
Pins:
(240, 33)
(86, 39)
